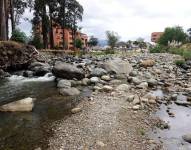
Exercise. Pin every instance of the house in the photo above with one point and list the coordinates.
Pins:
(155, 36)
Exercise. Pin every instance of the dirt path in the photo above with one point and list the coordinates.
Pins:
(106, 123)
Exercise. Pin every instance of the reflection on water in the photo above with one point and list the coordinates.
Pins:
(179, 126)
(25, 131)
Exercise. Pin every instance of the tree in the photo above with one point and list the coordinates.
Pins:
(93, 41)
(189, 34)
(3, 20)
(78, 43)
(112, 38)
(19, 36)
(173, 34)
(36, 41)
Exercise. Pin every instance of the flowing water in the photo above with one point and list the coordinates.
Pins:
(30, 130)
(179, 126)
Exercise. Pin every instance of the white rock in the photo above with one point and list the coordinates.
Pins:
(107, 88)
(123, 87)
(26, 104)
(94, 80)
(106, 78)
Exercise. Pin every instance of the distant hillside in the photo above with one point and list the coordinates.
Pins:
(102, 43)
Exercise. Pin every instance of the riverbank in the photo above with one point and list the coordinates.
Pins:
(120, 112)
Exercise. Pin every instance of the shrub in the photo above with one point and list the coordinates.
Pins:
(109, 51)
(187, 55)
(78, 43)
(176, 51)
(158, 49)
(19, 36)
(180, 62)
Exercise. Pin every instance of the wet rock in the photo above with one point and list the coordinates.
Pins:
(182, 103)
(28, 73)
(69, 92)
(68, 71)
(98, 72)
(123, 88)
(39, 69)
(187, 138)
(64, 84)
(3, 74)
(76, 110)
(118, 66)
(24, 105)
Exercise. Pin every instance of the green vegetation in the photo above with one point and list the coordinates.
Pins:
(19, 36)
(141, 131)
(93, 41)
(78, 43)
(173, 34)
(112, 38)
(176, 36)
(36, 41)
(179, 62)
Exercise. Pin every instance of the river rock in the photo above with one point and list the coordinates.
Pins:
(76, 110)
(86, 81)
(94, 80)
(147, 63)
(107, 88)
(3, 74)
(64, 84)
(118, 66)
(152, 82)
(143, 85)
(136, 81)
(136, 100)
(187, 138)
(98, 72)
(106, 78)
(39, 69)
(22, 105)
(123, 88)
(68, 71)
(69, 92)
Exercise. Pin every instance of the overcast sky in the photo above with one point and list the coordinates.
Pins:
(131, 18)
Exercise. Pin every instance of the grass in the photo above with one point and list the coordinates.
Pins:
(179, 62)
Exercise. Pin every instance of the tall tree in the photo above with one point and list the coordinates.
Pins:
(3, 22)
(112, 38)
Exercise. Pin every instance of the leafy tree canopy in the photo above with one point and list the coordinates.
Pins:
(19, 36)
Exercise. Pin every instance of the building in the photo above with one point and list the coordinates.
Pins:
(68, 37)
(155, 36)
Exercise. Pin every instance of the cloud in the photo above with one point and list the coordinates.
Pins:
(130, 18)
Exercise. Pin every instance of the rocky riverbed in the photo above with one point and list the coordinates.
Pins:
(120, 112)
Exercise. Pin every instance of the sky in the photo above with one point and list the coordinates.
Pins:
(131, 19)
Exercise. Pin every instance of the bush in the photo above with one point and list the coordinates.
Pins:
(158, 49)
(187, 55)
(78, 43)
(109, 51)
(176, 51)
(180, 62)
(19, 36)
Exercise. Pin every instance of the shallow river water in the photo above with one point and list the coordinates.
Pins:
(30, 130)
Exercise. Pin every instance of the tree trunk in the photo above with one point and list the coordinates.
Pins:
(64, 22)
(3, 26)
(51, 34)
(44, 28)
(12, 15)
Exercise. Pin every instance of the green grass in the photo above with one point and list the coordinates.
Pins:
(179, 62)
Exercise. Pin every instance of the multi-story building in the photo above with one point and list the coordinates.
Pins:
(155, 36)
(68, 37)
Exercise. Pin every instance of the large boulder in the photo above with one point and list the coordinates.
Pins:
(23, 105)
(67, 71)
(40, 69)
(98, 72)
(118, 66)
(16, 56)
